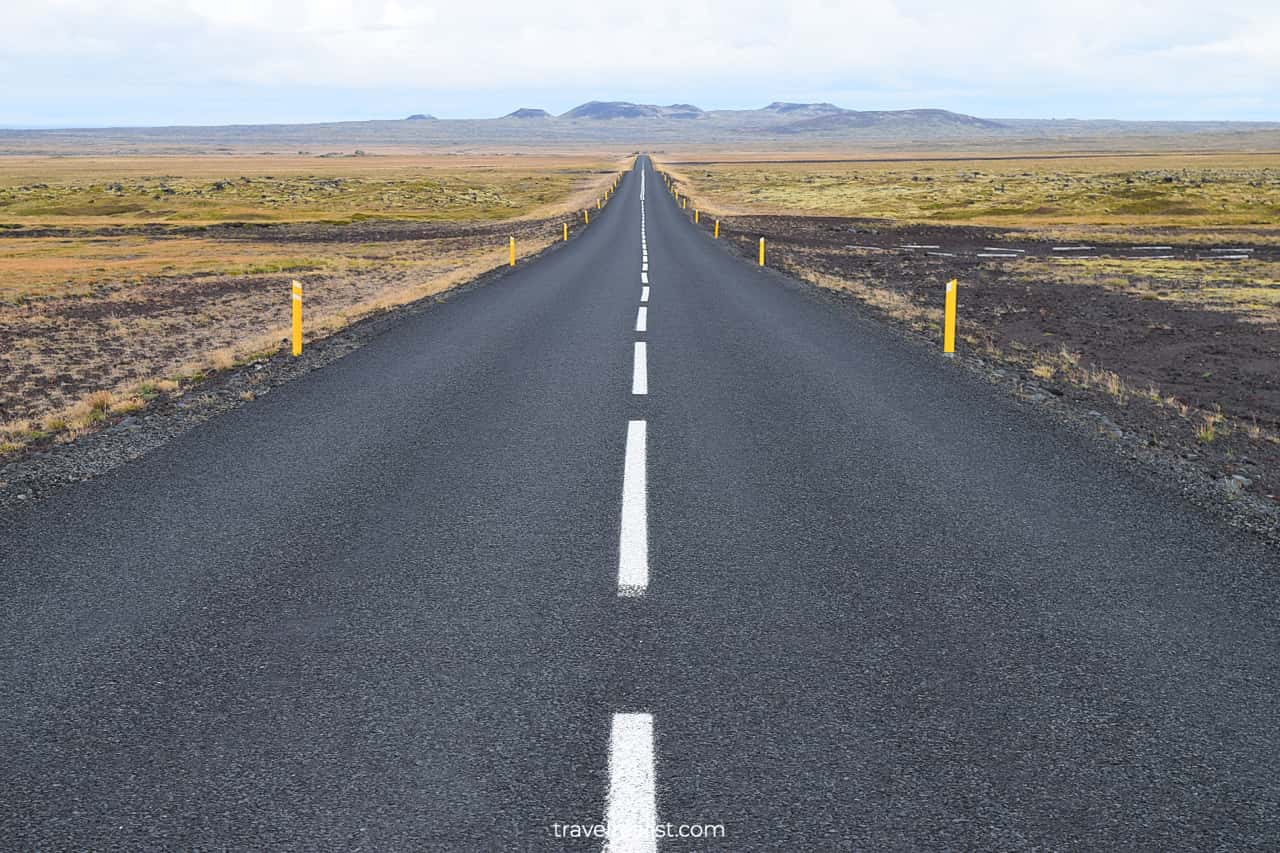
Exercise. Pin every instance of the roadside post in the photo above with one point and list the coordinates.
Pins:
(717, 232)
(949, 321)
(761, 251)
(586, 217)
(297, 317)
(695, 216)
(511, 252)
(566, 232)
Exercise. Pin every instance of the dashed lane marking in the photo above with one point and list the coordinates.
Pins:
(631, 811)
(633, 539)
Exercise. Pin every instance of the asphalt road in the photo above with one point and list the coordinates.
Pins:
(465, 587)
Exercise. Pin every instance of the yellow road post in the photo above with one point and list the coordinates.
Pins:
(717, 229)
(949, 321)
(761, 251)
(566, 232)
(695, 216)
(586, 217)
(297, 317)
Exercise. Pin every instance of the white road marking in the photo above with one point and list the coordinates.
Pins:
(1003, 249)
(642, 186)
(917, 246)
(941, 254)
(998, 255)
(642, 319)
(644, 293)
(644, 278)
(1150, 248)
(633, 540)
(631, 814)
(1232, 251)
(644, 266)
(640, 370)
(1151, 258)
(1073, 248)
(1225, 257)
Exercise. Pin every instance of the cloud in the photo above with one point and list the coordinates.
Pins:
(985, 51)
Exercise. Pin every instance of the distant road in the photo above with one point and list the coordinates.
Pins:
(678, 544)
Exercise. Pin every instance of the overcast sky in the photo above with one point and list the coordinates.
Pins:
(117, 62)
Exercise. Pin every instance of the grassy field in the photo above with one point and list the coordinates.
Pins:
(121, 276)
(93, 191)
(1212, 190)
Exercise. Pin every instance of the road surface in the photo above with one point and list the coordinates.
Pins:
(645, 535)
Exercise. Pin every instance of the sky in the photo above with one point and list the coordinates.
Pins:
(68, 63)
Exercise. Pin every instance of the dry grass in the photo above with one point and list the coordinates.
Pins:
(282, 188)
(1223, 190)
(1246, 289)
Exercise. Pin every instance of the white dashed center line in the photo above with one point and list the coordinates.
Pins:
(633, 541)
(644, 293)
(644, 278)
(642, 319)
(631, 815)
(640, 370)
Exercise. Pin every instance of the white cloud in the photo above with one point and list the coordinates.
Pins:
(746, 49)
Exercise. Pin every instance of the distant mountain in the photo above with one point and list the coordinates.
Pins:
(791, 118)
(785, 108)
(919, 120)
(781, 124)
(626, 109)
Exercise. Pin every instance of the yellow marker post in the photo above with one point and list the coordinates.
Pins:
(684, 204)
(717, 229)
(597, 204)
(949, 321)
(511, 252)
(566, 232)
(761, 251)
(586, 217)
(297, 317)
(695, 216)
